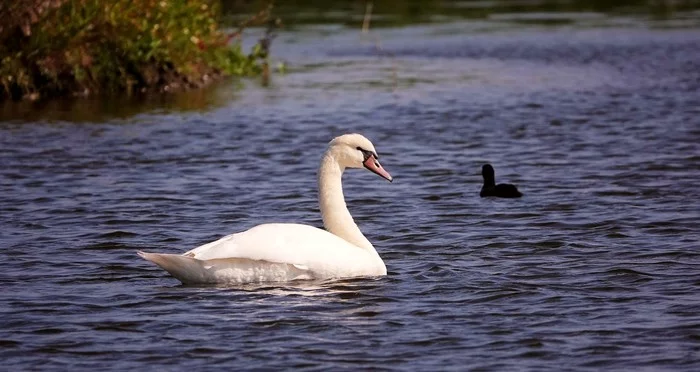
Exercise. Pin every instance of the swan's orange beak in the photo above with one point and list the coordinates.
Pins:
(372, 164)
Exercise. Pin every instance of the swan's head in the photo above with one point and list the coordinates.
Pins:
(356, 151)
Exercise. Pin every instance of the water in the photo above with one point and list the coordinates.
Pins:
(595, 268)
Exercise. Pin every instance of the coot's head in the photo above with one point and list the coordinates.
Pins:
(489, 176)
(487, 171)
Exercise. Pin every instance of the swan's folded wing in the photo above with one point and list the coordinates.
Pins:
(282, 243)
(215, 249)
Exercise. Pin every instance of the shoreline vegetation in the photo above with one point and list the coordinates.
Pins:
(55, 48)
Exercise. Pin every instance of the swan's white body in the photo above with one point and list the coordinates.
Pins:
(282, 252)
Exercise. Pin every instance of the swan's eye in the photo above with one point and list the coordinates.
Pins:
(366, 153)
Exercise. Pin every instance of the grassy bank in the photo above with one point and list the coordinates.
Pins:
(81, 47)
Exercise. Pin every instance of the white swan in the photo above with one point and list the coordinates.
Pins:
(281, 251)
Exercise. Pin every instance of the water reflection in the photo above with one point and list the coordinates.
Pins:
(405, 12)
(104, 108)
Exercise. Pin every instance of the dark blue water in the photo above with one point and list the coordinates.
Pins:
(597, 267)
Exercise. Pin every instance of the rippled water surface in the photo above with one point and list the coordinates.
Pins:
(596, 267)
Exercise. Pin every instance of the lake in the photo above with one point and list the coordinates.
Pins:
(596, 267)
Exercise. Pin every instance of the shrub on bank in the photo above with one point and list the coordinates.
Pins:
(57, 47)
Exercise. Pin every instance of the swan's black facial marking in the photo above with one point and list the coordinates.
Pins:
(366, 153)
(371, 162)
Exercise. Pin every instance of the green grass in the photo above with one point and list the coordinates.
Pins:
(103, 46)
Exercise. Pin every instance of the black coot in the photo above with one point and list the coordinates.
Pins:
(502, 190)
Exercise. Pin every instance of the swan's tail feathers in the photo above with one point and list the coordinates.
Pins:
(183, 268)
(190, 270)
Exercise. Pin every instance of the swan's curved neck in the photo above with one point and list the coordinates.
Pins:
(336, 217)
